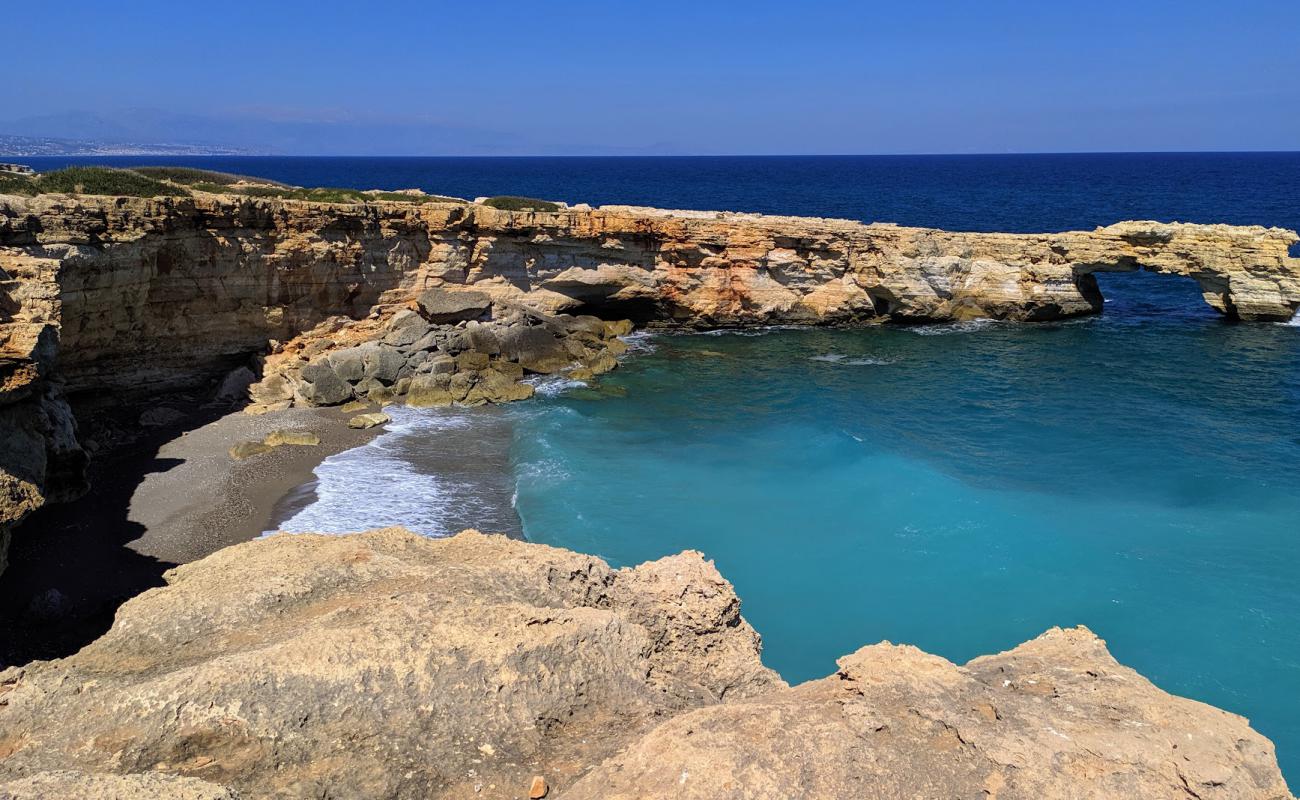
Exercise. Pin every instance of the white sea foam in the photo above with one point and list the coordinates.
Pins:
(373, 486)
(949, 328)
(840, 358)
(552, 385)
(640, 342)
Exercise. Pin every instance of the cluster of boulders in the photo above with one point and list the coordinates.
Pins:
(452, 347)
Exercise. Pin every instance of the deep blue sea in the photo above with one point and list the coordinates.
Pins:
(960, 487)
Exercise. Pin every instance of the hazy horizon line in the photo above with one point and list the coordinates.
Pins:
(664, 156)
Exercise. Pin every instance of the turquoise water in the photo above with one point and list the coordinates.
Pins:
(963, 487)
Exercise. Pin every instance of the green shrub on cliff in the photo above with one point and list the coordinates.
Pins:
(11, 183)
(191, 176)
(401, 197)
(509, 203)
(173, 181)
(105, 180)
(326, 195)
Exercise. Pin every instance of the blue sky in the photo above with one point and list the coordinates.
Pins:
(663, 77)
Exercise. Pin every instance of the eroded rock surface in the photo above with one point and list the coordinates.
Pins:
(147, 292)
(386, 665)
(365, 301)
(1057, 717)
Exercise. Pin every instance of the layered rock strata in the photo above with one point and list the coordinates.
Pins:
(147, 293)
(387, 665)
(120, 296)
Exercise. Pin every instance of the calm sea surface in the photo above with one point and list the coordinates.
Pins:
(960, 487)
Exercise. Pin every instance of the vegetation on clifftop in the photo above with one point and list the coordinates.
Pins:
(91, 180)
(510, 203)
(190, 176)
(180, 181)
(16, 184)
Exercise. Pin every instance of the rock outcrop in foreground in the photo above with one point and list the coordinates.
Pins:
(386, 665)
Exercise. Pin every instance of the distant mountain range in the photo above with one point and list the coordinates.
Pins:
(19, 146)
(143, 131)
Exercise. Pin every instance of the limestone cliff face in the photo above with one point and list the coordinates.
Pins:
(387, 665)
(140, 295)
(145, 293)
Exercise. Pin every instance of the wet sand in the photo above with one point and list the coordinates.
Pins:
(208, 501)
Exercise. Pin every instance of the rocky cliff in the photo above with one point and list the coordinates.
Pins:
(130, 295)
(387, 665)
(147, 293)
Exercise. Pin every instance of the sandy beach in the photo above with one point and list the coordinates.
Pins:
(174, 496)
(205, 500)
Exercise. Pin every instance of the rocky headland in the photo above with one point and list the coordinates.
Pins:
(385, 665)
(388, 665)
(453, 302)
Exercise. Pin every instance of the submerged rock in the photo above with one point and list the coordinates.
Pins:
(388, 665)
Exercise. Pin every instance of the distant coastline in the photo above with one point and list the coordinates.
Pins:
(28, 146)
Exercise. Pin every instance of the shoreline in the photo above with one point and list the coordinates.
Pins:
(171, 497)
(208, 501)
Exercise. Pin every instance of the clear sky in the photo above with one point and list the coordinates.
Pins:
(696, 77)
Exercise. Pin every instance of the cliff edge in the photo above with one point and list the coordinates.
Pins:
(387, 665)
(129, 296)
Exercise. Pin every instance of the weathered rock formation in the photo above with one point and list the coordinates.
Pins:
(386, 665)
(40, 459)
(147, 293)
(119, 295)
(430, 360)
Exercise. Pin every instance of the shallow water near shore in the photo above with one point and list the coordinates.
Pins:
(964, 487)
(434, 471)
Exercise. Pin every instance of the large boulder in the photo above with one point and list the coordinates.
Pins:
(407, 331)
(494, 386)
(350, 362)
(536, 349)
(322, 386)
(1057, 717)
(383, 665)
(430, 390)
(383, 364)
(482, 338)
(442, 306)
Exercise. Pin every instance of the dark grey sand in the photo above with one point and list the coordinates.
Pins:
(206, 500)
(176, 496)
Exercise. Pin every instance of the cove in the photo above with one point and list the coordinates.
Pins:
(963, 487)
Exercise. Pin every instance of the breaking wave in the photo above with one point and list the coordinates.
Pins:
(424, 472)
(840, 358)
(949, 328)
